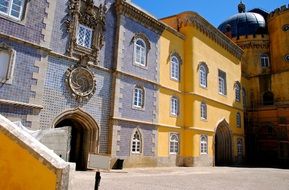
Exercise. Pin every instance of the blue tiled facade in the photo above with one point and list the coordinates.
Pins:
(148, 134)
(58, 98)
(20, 89)
(130, 76)
(39, 93)
(31, 26)
(131, 29)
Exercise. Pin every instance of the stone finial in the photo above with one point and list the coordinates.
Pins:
(241, 7)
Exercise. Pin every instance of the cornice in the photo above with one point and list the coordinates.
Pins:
(193, 19)
(253, 42)
(253, 45)
(128, 9)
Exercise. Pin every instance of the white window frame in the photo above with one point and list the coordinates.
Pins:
(175, 68)
(10, 65)
(174, 145)
(143, 52)
(203, 111)
(136, 143)
(138, 97)
(9, 11)
(174, 106)
(203, 76)
(203, 144)
(222, 82)
(86, 29)
(238, 120)
(265, 61)
(221, 86)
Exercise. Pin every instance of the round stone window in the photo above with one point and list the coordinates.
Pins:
(81, 81)
(285, 27)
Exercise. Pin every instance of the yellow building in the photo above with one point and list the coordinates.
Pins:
(200, 101)
(265, 80)
(171, 98)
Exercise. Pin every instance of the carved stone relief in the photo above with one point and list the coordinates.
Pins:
(80, 80)
(86, 13)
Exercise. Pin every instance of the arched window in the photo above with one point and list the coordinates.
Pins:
(136, 142)
(264, 58)
(238, 120)
(203, 110)
(140, 52)
(237, 91)
(268, 98)
(204, 144)
(175, 68)
(138, 100)
(174, 143)
(174, 106)
(7, 62)
(240, 146)
(203, 75)
(12, 8)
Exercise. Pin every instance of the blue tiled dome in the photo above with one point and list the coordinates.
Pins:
(245, 23)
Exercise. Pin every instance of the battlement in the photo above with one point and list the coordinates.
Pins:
(278, 11)
(252, 37)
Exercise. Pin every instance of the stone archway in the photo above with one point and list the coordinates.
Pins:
(223, 144)
(84, 136)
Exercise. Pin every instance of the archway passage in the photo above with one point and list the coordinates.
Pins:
(223, 145)
(83, 139)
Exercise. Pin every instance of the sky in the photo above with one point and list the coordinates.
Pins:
(214, 11)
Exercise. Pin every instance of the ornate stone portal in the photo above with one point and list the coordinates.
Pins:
(86, 13)
(81, 80)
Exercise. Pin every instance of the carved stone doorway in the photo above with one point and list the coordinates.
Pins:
(84, 137)
(223, 145)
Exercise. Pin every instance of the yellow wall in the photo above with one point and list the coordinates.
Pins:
(170, 43)
(163, 140)
(20, 170)
(196, 48)
(279, 40)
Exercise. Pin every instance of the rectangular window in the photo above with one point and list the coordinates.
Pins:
(12, 8)
(138, 97)
(265, 61)
(203, 111)
(84, 36)
(222, 82)
(174, 106)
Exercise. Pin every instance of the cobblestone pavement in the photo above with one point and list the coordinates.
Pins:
(189, 178)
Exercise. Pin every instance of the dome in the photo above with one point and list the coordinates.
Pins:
(244, 23)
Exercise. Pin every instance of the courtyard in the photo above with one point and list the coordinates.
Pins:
(186, 178)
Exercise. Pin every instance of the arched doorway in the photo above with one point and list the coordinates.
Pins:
(223, 145)
(84, 136)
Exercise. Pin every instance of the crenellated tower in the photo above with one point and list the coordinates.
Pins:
(278, 27)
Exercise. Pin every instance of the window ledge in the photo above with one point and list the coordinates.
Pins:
(174, 116)
(204, 119)
(144, 67)
(11, 19)
(204, 87)
(138, 108)
(174, 79)
(225, 95)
